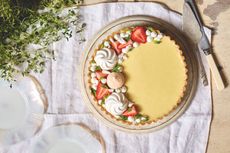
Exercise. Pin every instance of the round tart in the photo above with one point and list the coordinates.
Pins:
(137, 75)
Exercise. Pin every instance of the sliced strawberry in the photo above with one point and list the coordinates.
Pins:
(101, 91)
(130, 112)
(130, 42)
(100, 75)
(115, 45)
(139, 35)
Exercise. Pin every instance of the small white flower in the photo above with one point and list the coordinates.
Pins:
(116, 36)
(122, 35)
(130, 104)
(93, 68)
(103, 105)
(120, 61)
(137, 120)
(153, 34)
(143, 118)
(118, 90)
(105, 72)
(94, 86)
(124, 50)
(149, 39)
(148, 32)
(106, 44)
(94, 81)
(103, 81)
(121, 56)
(160, 35)
(123, 89)
(99, 102)
(93, 75)
(120, 69)
(135, 44)
(131, 119)
(127, 35)
(119, 39)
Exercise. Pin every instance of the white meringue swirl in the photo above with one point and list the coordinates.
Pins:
(106, 58)
(116, 103)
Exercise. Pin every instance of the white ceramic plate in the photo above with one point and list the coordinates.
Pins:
(21, 110)
(70, 138)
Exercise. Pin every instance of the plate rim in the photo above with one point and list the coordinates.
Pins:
(39, 115)
(84, 127)
(178, 34)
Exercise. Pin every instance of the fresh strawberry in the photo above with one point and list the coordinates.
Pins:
(138, 34)
(130, 112)
(101, 91)
(130, 42)
(100, 75)
(115, 45)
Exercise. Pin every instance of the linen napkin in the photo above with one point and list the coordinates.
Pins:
(188, 134)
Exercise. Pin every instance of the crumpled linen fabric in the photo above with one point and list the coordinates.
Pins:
(188, 134)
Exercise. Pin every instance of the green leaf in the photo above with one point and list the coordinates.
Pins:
(125, 118)
(93, 91)
(116, 68)
(98, 68)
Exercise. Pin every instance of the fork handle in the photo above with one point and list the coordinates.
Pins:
(215, 72)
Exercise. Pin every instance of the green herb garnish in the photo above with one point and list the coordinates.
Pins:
(98, 68)
(150, 29)
(125, 118)
(103, 101)
(156, 41)
(127, 38)
(146, 118)
(93, 91)
(138, 116)
(116, 68)
(28, 28)
(102, 46)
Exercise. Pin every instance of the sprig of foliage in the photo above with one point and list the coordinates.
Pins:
(28, 29)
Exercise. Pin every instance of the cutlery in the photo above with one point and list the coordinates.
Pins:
(206, 47)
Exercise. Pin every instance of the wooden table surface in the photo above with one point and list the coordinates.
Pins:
(216, 14)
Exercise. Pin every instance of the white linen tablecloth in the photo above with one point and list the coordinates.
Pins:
(188, 134)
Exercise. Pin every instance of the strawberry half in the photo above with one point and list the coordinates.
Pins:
(130, 42)
(101, 91)
(100, 75)
(115, 45)
(130, 112)
(139, 35)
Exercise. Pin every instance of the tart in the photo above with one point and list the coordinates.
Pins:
(138, 75)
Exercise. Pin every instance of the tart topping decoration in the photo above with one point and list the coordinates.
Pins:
(107, 77)
(106, 58)
(101, 91)
(116, 103)
(139, 35)
(115, 80)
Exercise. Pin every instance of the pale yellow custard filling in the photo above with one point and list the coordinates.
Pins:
(155, 77)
